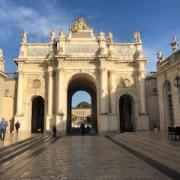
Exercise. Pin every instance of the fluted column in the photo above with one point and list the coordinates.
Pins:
(104, 91)
(50, 89)
(19, 93)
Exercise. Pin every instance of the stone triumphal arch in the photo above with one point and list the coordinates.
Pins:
(112, 73)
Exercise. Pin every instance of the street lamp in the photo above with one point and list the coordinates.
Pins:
(177, 81)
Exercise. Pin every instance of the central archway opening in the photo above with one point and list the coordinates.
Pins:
(83, 111)
(37, 123)
(126, 113)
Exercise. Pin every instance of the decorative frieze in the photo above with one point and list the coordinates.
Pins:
(37, 52)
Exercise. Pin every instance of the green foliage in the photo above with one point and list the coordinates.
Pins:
(83, 105)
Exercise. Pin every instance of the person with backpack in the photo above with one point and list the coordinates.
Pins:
(3, 126)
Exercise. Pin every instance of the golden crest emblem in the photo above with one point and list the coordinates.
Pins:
(80, 24)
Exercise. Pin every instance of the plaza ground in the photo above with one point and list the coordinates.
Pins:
(97, 157)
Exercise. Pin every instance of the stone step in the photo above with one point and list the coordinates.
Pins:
(19, 143)
(158, 138)
(150, 151)
(20, 148)
(3, 148)
(8, 168)
(159, 147)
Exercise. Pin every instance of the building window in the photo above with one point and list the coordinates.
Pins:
(170, 105)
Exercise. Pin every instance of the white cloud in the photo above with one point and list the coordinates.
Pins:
(31, 20)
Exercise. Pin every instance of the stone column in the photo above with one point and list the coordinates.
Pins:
(49, 119)
(104, 91)
(60, 91)
(143, 121)
(19, 93)
(50, 89)
(60, 97)
(143, 98)
(113, 91)
(142, 87)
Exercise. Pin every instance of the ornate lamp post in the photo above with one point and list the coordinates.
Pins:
(177, 81)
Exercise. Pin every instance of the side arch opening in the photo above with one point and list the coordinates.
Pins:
(37, 122)
(126, 113)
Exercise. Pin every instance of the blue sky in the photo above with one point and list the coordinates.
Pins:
(80, 96)
(157, 20)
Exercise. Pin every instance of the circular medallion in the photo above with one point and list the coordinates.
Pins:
(36, 83)
(126, 82)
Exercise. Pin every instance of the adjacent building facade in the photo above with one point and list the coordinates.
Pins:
(50, 73)
(168, 81)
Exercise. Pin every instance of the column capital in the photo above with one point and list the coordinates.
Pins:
(103, 69)
(60, 69)
(20, 71)
(50, 73)
(112, 71)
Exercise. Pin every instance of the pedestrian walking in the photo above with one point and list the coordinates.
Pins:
(82, 129)
(54, 132)
(17, 126)
(3, 126)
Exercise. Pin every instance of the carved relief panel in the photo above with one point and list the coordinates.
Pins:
(126, 81)
(35, 82)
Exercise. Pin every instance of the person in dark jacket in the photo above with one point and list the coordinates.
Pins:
(17, 126)
(54, 132)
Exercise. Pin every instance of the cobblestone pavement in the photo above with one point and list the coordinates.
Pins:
(87, 158)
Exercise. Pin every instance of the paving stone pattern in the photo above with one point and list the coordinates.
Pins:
(87, 158)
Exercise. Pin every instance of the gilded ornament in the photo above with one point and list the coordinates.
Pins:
(80, 24)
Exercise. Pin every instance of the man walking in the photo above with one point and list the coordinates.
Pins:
(54, 132)
(3, 126)
(17, 126)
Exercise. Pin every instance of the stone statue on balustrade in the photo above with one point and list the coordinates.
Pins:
(101, 35)
(61, 34)
(137, 37)
(24, 37)
(52, 36)
(174, 43)
(110, 37)
(160, 56)
(1, 54)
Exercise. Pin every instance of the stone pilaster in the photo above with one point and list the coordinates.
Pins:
(49, 118)
(143, 122)
(19, 93)
(104, 91)
(113, 92)
(60, 90)
(142, 87)
(50, 90)
(60, 100)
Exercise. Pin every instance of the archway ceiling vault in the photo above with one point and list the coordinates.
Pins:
(81, 84)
